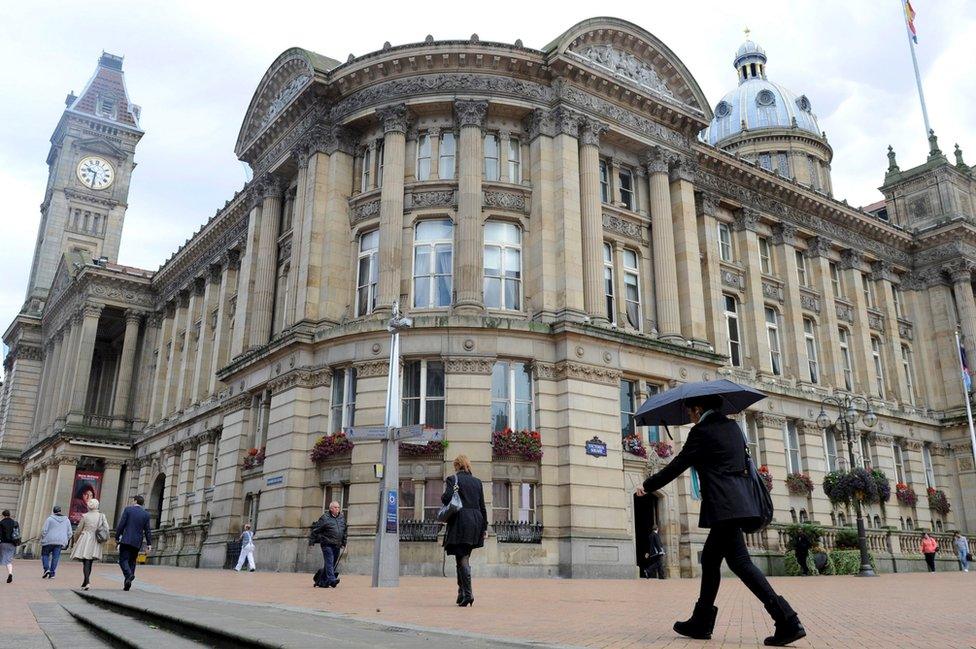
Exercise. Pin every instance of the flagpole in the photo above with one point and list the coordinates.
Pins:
(969, 410)
(918, 77)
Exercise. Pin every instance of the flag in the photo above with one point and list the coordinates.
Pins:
(910, 17)
(966, 378)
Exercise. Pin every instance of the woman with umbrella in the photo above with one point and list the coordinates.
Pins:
(716, 448)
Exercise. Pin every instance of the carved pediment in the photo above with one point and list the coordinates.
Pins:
(101, 147)
(622, 63)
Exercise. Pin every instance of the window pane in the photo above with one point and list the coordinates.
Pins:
(523, 381)
(512, 294)
(526, 512)
(421, 291)
(493, 293)
(433, 489)
(435, 414)
(493, 261)
(443, 264)
(499, 415)
(442, 290)
(407, 499)
(499, 381)
(435, 379)
(421, 260)
(500, 501)
(411, 379)
(523, 416)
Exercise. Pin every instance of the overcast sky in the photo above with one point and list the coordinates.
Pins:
(193, 67)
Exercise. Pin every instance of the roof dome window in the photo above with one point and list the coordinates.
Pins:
(804, 104)
(765, 98)
(723, 109)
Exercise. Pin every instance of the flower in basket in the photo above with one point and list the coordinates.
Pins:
(330, 446)
(766, 476)
(799, 484)
(905, 494)
(663, 450)
(525, 444)
(884, 487)
(431, 448)
(254, 457)
(635, 446)
(857, 484)
(253, 452)
(829, 486)
(938, 501)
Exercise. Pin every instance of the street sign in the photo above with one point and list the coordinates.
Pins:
(427, 435)
(408, 432)
(392, 510)
(364, 433)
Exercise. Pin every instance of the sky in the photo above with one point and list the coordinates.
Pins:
(194, 66)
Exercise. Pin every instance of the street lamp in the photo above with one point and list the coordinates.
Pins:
(848, 413)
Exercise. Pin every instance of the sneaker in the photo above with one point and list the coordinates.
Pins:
(252, 569)
(10, 578)
(45, 575)
(127, 585)
(50, 576)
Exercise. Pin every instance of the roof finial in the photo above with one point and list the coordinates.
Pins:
(892, 164)
(747, 31)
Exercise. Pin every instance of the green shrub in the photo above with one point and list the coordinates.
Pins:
(846, 539)
(847, 562)
(809, 530)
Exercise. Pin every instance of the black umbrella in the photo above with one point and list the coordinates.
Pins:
(668, 407)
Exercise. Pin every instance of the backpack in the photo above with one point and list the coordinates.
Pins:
(15, 533)
(102, 531)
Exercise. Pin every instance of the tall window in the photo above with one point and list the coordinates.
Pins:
(899, 462)
(625, 179)
(765, 264)
(367, 169)
(812, 171)
(732, 328)
(491, 156)
(868, 293)
(343, 399)
(772, 335)
(878, 368)
(867, 453)
(896, 300)
(835, 280)
(845, 357)
(813, 360)
(423, 393)
(338, 493)
(608, 283)
(801, 268)
(724, 242)
(379, 164)
(423, 157)
(628, 406)
(368, 274)
(752, 437)
(604, 182)
(783, 165)
(511, 397)
(432, 498)
(503, 266)
(830, 450)
(927, 463)
(514, 160)
(909, 366)
(653, 432)
(433, 262)
(407, 499)
(526, 502)
(792, 441)
(632, 289)
(447, 155)
(501, 501)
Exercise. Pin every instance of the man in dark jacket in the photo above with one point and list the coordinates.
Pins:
(716, 448)
(655, 555)
(132, 527)
(802, 548)
(330, 533)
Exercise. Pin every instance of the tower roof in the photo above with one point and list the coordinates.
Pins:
(105, 95)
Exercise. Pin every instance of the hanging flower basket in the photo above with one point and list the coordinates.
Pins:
(799, 484)
(254, 458)
(663, 450)
(766, 476)
(635, 446)
(938, 501)
(842, 487)
(830, 482)
(905, 494)
(434, 448)
(524, 444)
(329, 446)
(884, 486)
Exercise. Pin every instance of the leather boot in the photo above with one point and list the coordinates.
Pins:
(460, 584)
(788, 627)
(701, 623)
(468, 599)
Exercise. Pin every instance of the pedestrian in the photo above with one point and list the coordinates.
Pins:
(802, 548)
(90, 536)
(962, 551)
(247, 548)
(929, 547)
(716, 448)
(329, 531)
(468, 528)
(9, 540)
(55, 536)
(133, 527)
(654, 556)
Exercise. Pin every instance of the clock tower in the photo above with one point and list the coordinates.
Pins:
(90, 165)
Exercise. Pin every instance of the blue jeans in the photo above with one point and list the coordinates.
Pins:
(50, 556)
(329, 555)
(963, 562)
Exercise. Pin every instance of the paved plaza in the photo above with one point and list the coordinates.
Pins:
(933, 610)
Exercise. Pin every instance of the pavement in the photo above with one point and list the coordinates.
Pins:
(903, 610)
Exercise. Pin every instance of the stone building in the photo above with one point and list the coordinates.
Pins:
(571, 229)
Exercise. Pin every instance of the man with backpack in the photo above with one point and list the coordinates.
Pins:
(9, 540)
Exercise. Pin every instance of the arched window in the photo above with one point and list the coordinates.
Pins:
(433, 263)
(368, 273)
(423, 157)
(503, 266)
(804, 518)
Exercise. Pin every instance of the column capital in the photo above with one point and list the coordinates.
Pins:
(470, 112)
(183, 298)
(746, 218)
(784, 234)
(883, 270)
(682, 168)
(959, 272)
(271, 186)
(199, 285)
(394, 118)
(656, 160)
(706, 203)
(253, 199)
(590, 132)
(769, 420)
(540, 122)
(567, 121)
(134, 316)
(817, 247)
(231, 259)
(214, 272)
(850, 259)
(154, 319)
(434, 131)
(91, 311)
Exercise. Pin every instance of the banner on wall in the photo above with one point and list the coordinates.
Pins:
(87, 485)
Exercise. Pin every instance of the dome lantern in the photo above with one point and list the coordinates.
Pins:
(750, 60)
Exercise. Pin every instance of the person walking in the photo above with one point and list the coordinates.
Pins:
(962, 550)
(90, 536)
(654, 556)
(716, 448)
(468, 528)
(330, 533)
(929, 547)
(802, 548)
(55, 536)
(247, 549)
(133, 527)
(9, 540)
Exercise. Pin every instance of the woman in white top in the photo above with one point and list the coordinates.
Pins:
(247, 548)
(87, 546)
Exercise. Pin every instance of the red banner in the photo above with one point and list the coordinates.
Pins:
(88, 485)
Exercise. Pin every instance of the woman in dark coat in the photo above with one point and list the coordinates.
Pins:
(716, 448)
(468, 528)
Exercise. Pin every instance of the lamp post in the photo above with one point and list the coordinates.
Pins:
(849, 415)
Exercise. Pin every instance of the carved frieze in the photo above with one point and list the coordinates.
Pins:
(844, 311)
(733, 279)
(285, 95)
(584, 372)
(364, 211)
(468, 112)
(624, 227)
(370, 369)
(214, 245)
(421, 200)
(514, 201)
(809, 301)
(906, 330)
(875, 321)
(393, 118)
(769, 420)
(772, 291)
(625, 65)
(302, 377)
(469, 364)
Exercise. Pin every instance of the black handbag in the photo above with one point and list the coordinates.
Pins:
(447, 512)
(764, 502)
(969, 556)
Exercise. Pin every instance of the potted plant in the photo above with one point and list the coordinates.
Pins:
(635, 446)
(884, 486)
(799, 484)
(254, 458)
(524, 444)
(430, 449)
(328, 446)
(905, 494)
(664, 450)
(842, 487)
(766, 476)
(938, 501)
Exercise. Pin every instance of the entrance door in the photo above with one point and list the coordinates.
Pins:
(645, 516)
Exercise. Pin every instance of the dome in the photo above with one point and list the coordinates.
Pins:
(749, 50)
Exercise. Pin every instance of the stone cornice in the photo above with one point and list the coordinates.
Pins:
(301, 377)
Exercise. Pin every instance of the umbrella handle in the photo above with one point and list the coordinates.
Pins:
(668, 431)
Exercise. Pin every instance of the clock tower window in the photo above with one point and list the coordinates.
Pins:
(106, 107)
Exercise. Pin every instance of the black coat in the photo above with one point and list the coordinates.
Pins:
(330, 530)
(654, 544)
(716, 449)
(467, 528)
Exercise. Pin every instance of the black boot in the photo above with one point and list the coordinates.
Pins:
(701, 623)
(788, 627)
(468, 598)
(460, 583)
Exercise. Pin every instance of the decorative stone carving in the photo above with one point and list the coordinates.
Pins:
(624, 64)
(505, 200)
(370, 369)
(809, 302)
(591, 131)
(470, 112)
(393, 118)
(733, 279)
(706, 203)
(655, 160)
(845, 312)
(624, 227)
(875, 321)
(881, 439)
(364, 211)
(960, 272)
(567, 121)
(905, 330)
(27, 352)
(420, 200)
(883, 270)
(769, 420)
(682, 168)
(584, 372)
(910, 444)
(540, 122)
(237, 402)
(469, 364)
(772, 291)
(784, 234)
(302, 377)
(285, 95)
(850, 259)
(544, 371)
(746, 219)
(817, 247)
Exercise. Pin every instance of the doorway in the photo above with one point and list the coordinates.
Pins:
(645, 516)
(156, 501)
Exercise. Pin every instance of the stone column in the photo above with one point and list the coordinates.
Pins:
(191, 339)
(714, 289)
(818, 256)
(591, 212)
(47, 351)
(187, 469)
(468, 263)
(792, 343)
(261, 309)
(110, 491)
(28, 486)
(42, 508)
(962, 288)
(770, 428)
(245, 281)
(883, 275)
(230, 264)
(86, 348)
(394, 120)
(171, 486)
(162, 364)
(332, 191)
(52, 366)
(754, 305)
(860, 330)
(688, 263)
(68, 360)
(170, 393)
(306, 245)
(662, 240)
(123, 386)
(203, 365)
(64, 483)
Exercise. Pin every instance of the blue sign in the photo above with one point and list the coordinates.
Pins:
(278, 479)
(596, 448)
(391, 512)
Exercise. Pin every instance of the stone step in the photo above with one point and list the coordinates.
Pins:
(63, 631)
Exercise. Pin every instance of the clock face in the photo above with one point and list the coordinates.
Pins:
(95, 172)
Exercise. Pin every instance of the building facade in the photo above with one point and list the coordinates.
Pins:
(571, 229)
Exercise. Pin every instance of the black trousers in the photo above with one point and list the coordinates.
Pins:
(801, 558)
(726, 541)
(127, 560)
(930, 561)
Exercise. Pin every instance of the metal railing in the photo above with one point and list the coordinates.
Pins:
(517, 532)
(424, 531)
